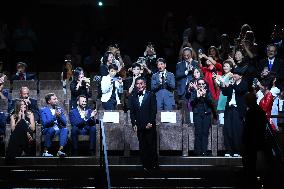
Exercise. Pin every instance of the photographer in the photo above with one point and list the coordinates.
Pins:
(150, 58)
(111, 86)
(21, 73)
(80, 85)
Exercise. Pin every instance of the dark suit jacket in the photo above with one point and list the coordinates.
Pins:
(77, 121)
(144, 114)
(28, 76)
(32, 107)
(2, 123)
(277, 67)
(181, 78)
(202, 105)
(240, 91)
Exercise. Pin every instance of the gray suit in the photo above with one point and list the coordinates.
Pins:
(164, 90)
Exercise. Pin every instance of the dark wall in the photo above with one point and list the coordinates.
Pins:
(130, 23)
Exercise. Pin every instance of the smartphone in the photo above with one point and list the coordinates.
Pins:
(255, 81)
(115, 79)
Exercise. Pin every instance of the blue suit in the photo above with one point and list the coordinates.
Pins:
(181, 78)
(164, 91)
(83, 127)
(52, 126)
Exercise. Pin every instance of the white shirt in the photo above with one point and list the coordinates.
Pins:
(82, 113)
(55, 122)
(233, 100)
(141, 98)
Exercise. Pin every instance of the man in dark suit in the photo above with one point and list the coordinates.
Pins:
(32, 103)
(83, 122)
(273, 63)
(143, 110)
(234, 112)
(21, 73)
(184, 71)
(163, 84)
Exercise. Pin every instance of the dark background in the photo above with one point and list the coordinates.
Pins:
(130, 23)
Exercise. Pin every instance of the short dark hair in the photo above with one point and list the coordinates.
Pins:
(134, 65)
(141, 78)
(48, 97)
(161, 60)
(78, 97)
(112, 66)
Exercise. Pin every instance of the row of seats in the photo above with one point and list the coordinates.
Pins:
(121, 137)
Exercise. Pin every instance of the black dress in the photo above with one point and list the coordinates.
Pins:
(19, 141)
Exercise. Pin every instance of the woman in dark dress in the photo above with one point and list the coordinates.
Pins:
(22, 127)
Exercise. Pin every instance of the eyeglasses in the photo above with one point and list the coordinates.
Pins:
(201, 83)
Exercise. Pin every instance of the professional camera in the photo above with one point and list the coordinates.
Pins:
(141, 61)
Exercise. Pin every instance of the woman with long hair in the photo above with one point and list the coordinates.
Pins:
(22, 126)
(80, 85)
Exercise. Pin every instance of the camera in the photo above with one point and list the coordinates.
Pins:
(141, 60)
(115, 79)
(255, 81)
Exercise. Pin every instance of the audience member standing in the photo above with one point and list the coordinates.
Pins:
(111, 86)
(143, 110)
(234, 113)
(163, 84)
(184, 71)
(80, 85)
(253, 138)
(202, 107)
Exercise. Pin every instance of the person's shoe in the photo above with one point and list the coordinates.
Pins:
(227, 155)
(236, 155)
(61, 154)
(46, 154)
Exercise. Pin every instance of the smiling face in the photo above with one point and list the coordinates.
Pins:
(227, 68)
(196, 73)
(201, 84)
(140, 85)
(136, 71)
(161, 66)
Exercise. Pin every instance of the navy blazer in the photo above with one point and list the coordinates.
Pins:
(28, 76)
(181, 78)
(144, 114)
(77, 121)
(48, 120)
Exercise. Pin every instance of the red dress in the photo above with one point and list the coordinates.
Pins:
(208, 78)
(266, 104)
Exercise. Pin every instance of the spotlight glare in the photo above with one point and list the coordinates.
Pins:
(100, 3)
